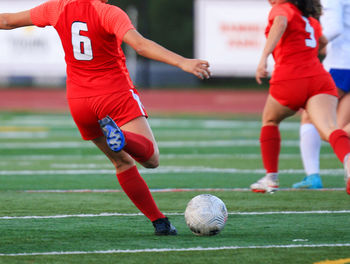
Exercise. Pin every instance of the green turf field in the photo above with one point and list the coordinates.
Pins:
(42, 157)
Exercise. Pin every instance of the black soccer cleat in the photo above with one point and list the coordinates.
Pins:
(163, 227)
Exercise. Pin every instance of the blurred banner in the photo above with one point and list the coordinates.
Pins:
(30, 51)
(230, 34)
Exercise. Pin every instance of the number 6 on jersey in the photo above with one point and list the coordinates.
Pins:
(82, 48)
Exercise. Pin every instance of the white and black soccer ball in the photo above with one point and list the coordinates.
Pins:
(206, 215)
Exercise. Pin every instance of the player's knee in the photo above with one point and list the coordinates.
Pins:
(152, 163)
(324, 137)
(325, 134)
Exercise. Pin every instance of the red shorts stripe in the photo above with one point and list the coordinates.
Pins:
(121, 106)
(295, 93)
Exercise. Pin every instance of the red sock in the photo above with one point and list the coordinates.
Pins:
(138, 192)
(270, 144)
(340, 143)
(138, 146)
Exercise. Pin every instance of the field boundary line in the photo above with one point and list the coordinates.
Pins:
(150, 250)
(161, 144)
(175, 190)
(165, 169)
(177, 214)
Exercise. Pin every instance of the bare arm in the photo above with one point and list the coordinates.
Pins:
(15, 20)
(149, 49)
(322, 43)
(276, 32)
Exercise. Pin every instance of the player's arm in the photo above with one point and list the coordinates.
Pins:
(15, 20)
(277, 30)
(150, 49)
(322, 43)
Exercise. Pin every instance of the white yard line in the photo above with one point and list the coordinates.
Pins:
(162, 156)
(150, 250)
(140, 214)
(176, 190)
(35, 120)
(165, 169)
(163, 144)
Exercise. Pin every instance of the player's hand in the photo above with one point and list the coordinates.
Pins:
(199, 68)
(261, 71)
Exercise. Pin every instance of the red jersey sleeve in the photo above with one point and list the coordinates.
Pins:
(114, 20)
(45, 14)
(281, 10)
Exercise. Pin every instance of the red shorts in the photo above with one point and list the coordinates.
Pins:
(121, 106)
(295, 93)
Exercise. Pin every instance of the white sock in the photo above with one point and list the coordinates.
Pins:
(272, 176)
(310, 145)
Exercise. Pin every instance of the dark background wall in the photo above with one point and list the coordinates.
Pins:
(169, 23)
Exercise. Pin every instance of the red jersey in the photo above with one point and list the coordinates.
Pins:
(91, 33)
(296, 54)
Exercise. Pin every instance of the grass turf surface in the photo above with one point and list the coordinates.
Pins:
(44, 152)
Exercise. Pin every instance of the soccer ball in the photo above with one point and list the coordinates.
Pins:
(206, 215)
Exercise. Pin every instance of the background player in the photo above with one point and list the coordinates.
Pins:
(298, 81)
(99, 87)
(335, 21)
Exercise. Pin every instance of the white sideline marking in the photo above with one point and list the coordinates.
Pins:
(175, 190)
(168, 144)
(67, 216)
(162, 156)
(176, 214)
(166, 169)
(117, 251)
(23, 134)
(55, 121)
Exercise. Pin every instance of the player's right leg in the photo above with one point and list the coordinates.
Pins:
(114, 136)
(270, 143)
(140, 142)
(131, 138)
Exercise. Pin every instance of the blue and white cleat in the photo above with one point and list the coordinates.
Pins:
(312, 181)
(114, 135)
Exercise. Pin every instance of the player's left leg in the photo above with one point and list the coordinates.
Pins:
(343, 113)
(270, 144)
(136, 188)
(322, 111)
(341, 78)
(343, 118)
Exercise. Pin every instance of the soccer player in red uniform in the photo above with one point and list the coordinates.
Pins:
(299, 80)
(335, 21)
(102, 99)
